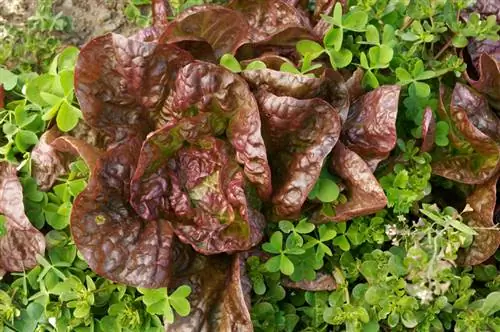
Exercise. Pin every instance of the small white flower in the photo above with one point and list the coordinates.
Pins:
(425, 296)
(391, 230)
(420, 222)
(401, 218)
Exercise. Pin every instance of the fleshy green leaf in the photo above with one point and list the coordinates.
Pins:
(68, 116)
(230, 62)
(7, 79)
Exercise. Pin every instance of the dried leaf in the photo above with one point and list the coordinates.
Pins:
(22, 242)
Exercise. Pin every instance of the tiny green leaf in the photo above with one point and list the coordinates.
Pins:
(340, 59)
(309, 47)
(273, 264)
(230, 62)
(371, 35)
(328, 191)
(68, 116)
(256, 65)
(304, 227)
(355, 21)
(422, 90)
(7, 79)
(337, 14)
(286, 265)
(289, 68)
(334, 38)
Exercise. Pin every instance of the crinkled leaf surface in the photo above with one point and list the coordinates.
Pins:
(220, 299)
(299, 135)
(284, 83)
(225, 30)
(489, 77)
(226, 96)
(120, 82)
(194, 181)
(22, 242)
(370, 129)
(47, 163)
(488, 7)
(330, 86)
(323, 282)
(273, 21)
(364, 193)
(77, 147)
(113, 239)
(475, 133)
(354, 85)
(486, 242)
(428, 130)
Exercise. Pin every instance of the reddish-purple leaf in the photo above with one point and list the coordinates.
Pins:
(226, 96)
(489, 77)
(76, 147)
(370, 129)
(225, 30)
(161, 12)
(22, 242)
(428, 130)
(354, 85)
(485, 244)
(113, 239)
(473, 128)
(323, 282)
(47, 163)
(364, 193)
(299, 135)
(488, 7)
(220, 298)
(194, 181)
(284, 83)
(330, 86)
(120, 82)
(273, 22)
(2, 96)
(52, 154)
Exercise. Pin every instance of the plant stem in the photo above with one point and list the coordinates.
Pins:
(443, 49)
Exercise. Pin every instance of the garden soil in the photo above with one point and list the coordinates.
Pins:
(90, 18)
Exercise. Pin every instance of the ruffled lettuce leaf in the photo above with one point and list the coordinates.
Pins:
(370, 129)
(47, 163)
(330, 86)
(428, 131)
(322, 282)
(488, 68)
(220, 298)
(20, 242)
(474, 134)
(207, 88)
(299, 135)
(363, 191)
(486, 242)
(225, 30)
(119, 83)
(52, 154)
(273, 21)
(113, 239)
(193, 180)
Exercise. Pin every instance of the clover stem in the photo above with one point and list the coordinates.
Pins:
(444, 48)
